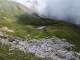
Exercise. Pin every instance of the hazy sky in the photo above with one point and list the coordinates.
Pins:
(60, 9)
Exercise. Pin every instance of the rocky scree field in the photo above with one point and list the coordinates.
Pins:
(15, 22)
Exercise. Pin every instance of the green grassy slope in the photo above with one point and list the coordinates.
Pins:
(12, 16)
(60, 29)
(8, 13)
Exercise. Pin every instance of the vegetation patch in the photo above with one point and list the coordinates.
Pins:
(25, 26)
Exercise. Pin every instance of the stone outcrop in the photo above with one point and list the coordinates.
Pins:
(54, 48)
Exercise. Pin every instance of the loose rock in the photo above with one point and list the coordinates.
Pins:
(54, 48)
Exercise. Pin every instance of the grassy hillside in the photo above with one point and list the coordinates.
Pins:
(60, 29)
(13, 17)
(8, 14)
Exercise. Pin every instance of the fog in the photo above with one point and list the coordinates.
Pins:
(68, 10)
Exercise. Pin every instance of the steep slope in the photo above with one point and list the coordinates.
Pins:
(12, 9)
(8, 13)
(14, 17)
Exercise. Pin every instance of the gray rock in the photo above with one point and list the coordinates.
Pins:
(53, 48)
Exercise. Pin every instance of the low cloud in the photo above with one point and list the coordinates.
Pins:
(68, 10)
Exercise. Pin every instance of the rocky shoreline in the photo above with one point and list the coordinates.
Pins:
(54, 48)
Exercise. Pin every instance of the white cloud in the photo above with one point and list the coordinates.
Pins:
(61, 9)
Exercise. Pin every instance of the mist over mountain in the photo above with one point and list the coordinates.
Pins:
(32, 29)
(68, 10)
